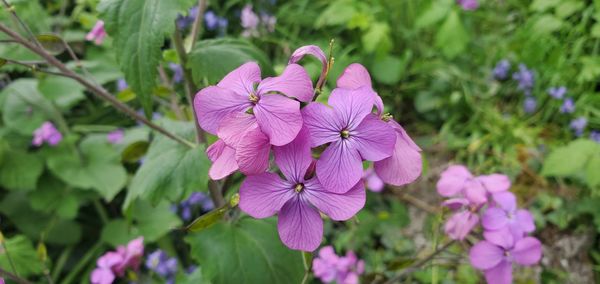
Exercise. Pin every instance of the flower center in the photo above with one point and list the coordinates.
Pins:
(345, 133)
(387, 117)
(298, 188)
(253, 98)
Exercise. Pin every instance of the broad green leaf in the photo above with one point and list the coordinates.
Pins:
(434, 13)
(590, 69)
(170, 170)
(452, 38)
(117, 232)
(247, 251)
(570, 160)
(153, 222)
(134, 151)
(64, 92)
(53, 196)
(212, 59)
(377, 38)
(595, 31)
(139, 29)
(96, 165)
(20, 170)
(568, 8)
(338, 13)
(592, 170)
(388, 69)
(23, 255)
(25, 109)
(547, 24)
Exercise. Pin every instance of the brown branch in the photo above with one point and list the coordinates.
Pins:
(13, 277)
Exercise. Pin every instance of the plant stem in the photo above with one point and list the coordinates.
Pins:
(216, 193)
(198, 22)
(60, 263)
(13, 277)
(82, 263)
(417, 265)
(101, 212)
(11, 9)
(97, 90)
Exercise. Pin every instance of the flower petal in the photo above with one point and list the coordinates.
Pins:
(242, 79)
(500, 274)
(351, 106)
(475, 192)
(502, 237)
(224, 163)
(485, 255)
(494, 218)
(460, 224)
(373, 138)
(323, 125)
(233, 127)
(356, 76)
(339, 168)
(279, 118)
(527, 251)
(452, 180)
(252, 152)
(495, 182)
(525, 220)
(212, 104)
(405, 164)
(338, 206)
(294, 82)
(263, 195)
(308, 50)
(294, 158)
(455, 203)
(505, 200)
(300, 225)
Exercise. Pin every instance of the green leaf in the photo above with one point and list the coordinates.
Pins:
(568, 8)
(571, 159)
(542, 5)
(212, 59)
(547, 24)
(338, 13)
(53, 44)
(97, 166)
(248, 251)
(64, 92)
(452, 38)
(25, 109)
(153, 222)
(170, 170)
(53, 196)
(389, 69)
(139, 29)
(134, 151)
(590, 69)
(20, 170)
(434, 13)
(593, 170)
(117, 232)
(23, 255)
(207, 219)
(377, 38)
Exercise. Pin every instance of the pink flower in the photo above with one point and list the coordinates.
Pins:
(297, 200)
(97, 34)
(114, 263)
(464, 219)
(405, 164)
(1, 280)
(506, 215)
(457, 179)
(468, 5)
(354, 134)
(373, 182)
(495, 257)
(314, 51)
(46, 133)
(344, 270)
(250, 114)
(115, 137)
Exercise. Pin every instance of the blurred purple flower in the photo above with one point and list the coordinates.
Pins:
(163, 265)
(97, 34)
(529, 104)
(468, 5)
(248, 18)
(373, 181)
(211, 20)
(578, 125)
(269, 21)
(184, 22)
(506, 215)
(501, 70)
(121, 85)
(568, 106)
(525, 79)
(177, 72)
(557, 92)
(196, 199)
(595, 135)
(115, 137)
(48, 133)
(329, 267)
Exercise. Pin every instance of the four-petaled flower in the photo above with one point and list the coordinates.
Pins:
(506, 215)
(97, 34)
(46, 133)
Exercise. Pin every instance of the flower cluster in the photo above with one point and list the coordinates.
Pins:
(97, 34)
(46, 133)
(215, 22)
(330, 267)
(114, 264)
(505, 227)
(163, 265)
(196, 199)
(251, 22)
(253, 117)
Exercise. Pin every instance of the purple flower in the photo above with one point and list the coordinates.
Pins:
(200, 198)
(595, 135)
(501, 70)
(297, 200)
(464, 218)
(185, 21)
(505, 215)
(372, 181)
(46, 133)
(329, 267)
(495, 257)
(557, 92)
(269, 22)
(457, 181)
(248, 18)
(97, 34)
(529, 104)
(245, 139)
(568, 106)
(162, 264)
(211, 20)
(468, 5)
(121, 85)
(115, 137)
(578, 125)
(525, 79)
(177, 72)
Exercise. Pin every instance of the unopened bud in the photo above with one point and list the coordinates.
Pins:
(234, 200)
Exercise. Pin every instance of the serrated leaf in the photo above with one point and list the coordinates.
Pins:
(23, 255)
(213, 59)
(20, 170)
(247, 251)
(25, 109)
(452, 38)
(170, 170)
(139, 29)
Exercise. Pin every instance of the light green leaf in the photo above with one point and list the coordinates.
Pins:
(248, 251)
(434, 13)
(377, 38)
(571, 159)
(97, 166)
(542, 5)
(153, 222)
(23, 255)
(212, 59)
(590, 69)
(139, 29)
(117, 232)
(568, 8)
(547, 24)
(452, 38)
(25, 109)
(595, 31)
(20, 170)
(593, 170)
(207, 219)
(337, 13)
(170, 170)
(64, 92)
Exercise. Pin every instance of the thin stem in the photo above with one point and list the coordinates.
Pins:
(82, 263)
(60, 263)
(34, 68)
(325, 72)
(415, 201)
(13, 277)
(216, 193)
(11, 9)
(306, 268)
(198, 22)
(417, 265)
(101, 212)
(97, 90)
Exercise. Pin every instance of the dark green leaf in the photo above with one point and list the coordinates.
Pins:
(53, 44)
(20, 170)
(53, 196)
(207, 219)
(135, 151)
(153, 222)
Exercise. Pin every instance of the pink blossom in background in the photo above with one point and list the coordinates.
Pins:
(97, 34)
(113, 264)
(47, 133)
(249, 21)
(250, 114)
(116, 136)
(372, 181)
(458, 180)
(1, 280)
(329, 267)
(468, 5)
(296, 200)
